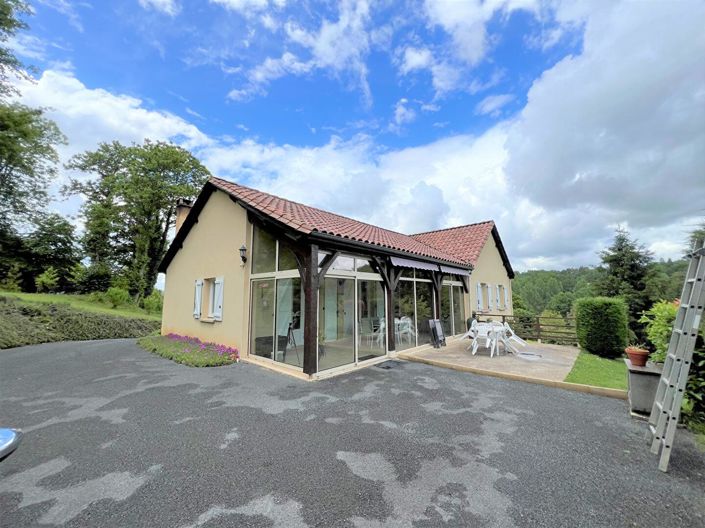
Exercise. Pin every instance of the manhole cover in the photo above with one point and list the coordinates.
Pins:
(386, 365)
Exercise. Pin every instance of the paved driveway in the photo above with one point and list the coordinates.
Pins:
(117, 437)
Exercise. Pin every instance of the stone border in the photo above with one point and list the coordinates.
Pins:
(577, 387)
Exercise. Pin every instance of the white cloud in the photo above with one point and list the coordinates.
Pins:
(271, 69)
(620, 126)
(415, 59)
(340, 47)
(168, 7)
(403, 114)
(28, 46)
(66, 8)
(493, 104)
(88, 116)
(466, 22)
(242, 6)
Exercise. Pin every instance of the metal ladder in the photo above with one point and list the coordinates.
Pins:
(674, 377)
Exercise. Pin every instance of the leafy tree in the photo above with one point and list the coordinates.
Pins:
(625, 266)
(48, 280)
(10, 24)
(52, 244)
(28, 159)
(561, 303)
(12, 280)
(28, 139)
(130, 208)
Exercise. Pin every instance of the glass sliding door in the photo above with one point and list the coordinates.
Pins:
(446, 310)
(289, 322)
(262, 331)
(371, 320)
(424, 311)
(458, 310)
(336, 323)
(404, 316)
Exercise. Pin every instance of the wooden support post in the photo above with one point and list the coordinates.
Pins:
(437, 280)
(308, 269)
(390, 278)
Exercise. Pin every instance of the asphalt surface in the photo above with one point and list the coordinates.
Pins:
(117, 437)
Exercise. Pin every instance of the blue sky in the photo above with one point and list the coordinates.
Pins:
(559, 120)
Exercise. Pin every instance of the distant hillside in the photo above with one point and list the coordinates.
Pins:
(556, 290)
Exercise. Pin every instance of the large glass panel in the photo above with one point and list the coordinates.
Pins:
(363, 266)
(446, 313)
(458, 310)
(371, 333)
(424, 274)
(262, 343)
(343, 263)
(424, 311)
(264, 251)
(289, 322)
(336, 318)
(404, 327)
(287, 260)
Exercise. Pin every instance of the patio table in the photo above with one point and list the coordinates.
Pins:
(493, 332)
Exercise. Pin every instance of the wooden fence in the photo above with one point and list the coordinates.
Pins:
(558, 330)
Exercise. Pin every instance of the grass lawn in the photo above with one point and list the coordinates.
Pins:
(189, 350)
(590, 369)
(83, 303)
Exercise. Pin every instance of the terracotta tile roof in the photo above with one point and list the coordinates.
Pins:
(464, 243)
(307, 219)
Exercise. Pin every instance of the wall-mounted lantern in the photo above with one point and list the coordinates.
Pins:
(243, 253)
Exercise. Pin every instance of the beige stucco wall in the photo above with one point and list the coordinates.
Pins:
(489, 270)
(211, 249)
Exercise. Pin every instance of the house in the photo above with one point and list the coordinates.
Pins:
(312, 293)
(479, 245)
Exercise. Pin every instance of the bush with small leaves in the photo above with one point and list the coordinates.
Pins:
(47, 281)
(601, 325)
(117, 297)
(154, 302)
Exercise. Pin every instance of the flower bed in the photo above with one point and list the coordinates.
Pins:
(190, 351)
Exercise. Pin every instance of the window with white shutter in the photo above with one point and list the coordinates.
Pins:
(217, 299)
(499, 299)
(506, 298)
(479, 297)
(197, 295)
(489, 297)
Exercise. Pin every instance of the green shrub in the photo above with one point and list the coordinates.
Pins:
(13, 279)
(154, 302)
(601, 325)
(24, 323)
(117, 296)
(659, 326)
(48, 280)
(96, 277)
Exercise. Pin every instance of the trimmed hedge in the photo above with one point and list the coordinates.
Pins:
(23, 323)
(602, 325)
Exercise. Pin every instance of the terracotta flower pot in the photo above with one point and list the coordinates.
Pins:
(637, 356)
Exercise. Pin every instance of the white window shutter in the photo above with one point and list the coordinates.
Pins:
(198, 290)
(489, 297)
(499, 302)
(218, 299)
(506, 297)
(479, 296)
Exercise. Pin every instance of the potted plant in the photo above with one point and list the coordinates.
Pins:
(643, 379)
(637, 354)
